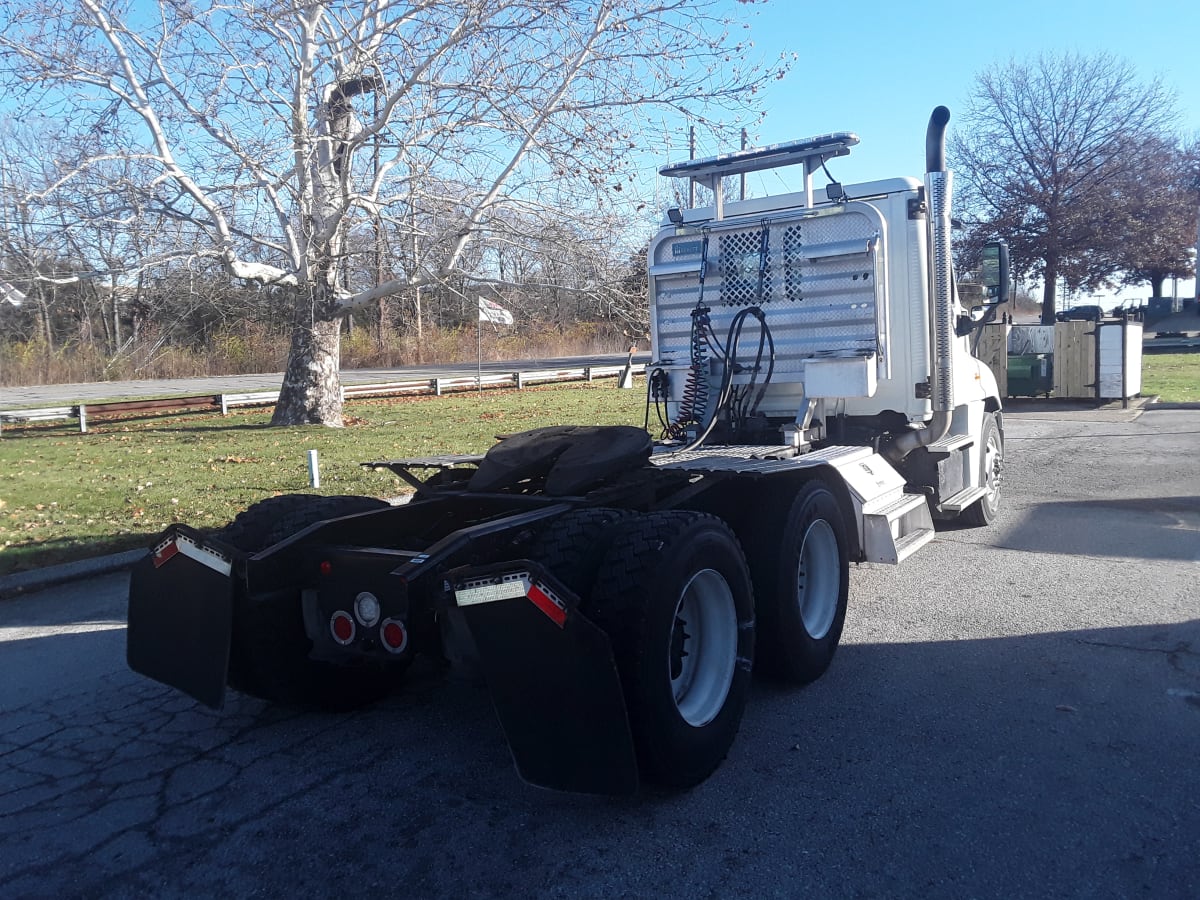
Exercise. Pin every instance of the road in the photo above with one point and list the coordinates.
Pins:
(95, 392)
(1015, 711)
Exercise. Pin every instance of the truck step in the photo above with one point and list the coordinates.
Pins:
(912, 542)
(897, 529)
(951, 442)
(962, 499)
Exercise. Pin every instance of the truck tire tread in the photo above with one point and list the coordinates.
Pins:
(641, 571)
(573, 545)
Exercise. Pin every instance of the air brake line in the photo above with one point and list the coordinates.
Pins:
(694, 402)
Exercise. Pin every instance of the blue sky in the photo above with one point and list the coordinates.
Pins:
(878, 68)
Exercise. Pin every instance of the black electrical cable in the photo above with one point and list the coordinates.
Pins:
(770, 338)
(658, 390)
(730, 400)
(727, 393)
(764, 256)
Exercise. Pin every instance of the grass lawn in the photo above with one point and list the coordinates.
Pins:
(67, 496)
(1174, 377)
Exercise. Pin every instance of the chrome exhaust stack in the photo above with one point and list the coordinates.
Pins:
(938, 188)
(939, 191)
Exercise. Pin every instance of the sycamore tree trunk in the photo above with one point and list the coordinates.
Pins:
(312, 389)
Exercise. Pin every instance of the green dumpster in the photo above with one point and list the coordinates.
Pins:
(1030, 375)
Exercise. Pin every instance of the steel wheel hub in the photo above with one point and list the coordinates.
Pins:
(817, 579)
(703, 651)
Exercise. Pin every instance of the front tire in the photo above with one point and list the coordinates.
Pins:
(991, 462)
(803, 591)
(674, 596)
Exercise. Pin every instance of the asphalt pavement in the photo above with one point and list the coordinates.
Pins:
(1014, 712)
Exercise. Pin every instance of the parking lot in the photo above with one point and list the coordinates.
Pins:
(1015, 711)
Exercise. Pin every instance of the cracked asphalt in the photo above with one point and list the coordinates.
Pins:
(1014, 712)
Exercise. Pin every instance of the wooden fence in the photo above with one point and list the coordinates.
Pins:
(1075, 359)
(1073, 351)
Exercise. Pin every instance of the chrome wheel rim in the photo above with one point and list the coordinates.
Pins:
(703, 651)
(992, 457)
(818, 578)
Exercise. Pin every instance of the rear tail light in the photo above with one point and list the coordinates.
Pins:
(342, 627)
(393, 635)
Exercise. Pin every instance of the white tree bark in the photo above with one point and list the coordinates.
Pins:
(252, 124)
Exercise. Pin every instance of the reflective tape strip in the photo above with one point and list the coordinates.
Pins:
(164, 551)
(490, 590)
(510, 586)
(169, 548)
(547, 602)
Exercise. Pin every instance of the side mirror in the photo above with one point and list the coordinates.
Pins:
(973, 318)
(995, 271)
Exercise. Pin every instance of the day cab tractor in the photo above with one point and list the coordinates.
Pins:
(818, 405)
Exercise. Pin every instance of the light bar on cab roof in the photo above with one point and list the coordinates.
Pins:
(788, 153)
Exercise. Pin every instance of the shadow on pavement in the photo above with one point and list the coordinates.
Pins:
(1146, 527)
(1033, 765)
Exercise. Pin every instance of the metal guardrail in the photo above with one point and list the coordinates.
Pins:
(225, 402)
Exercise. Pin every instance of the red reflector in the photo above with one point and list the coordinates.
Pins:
(164, 551)
(342, 627)
(547, 604)
(326, 567)
(393, 635)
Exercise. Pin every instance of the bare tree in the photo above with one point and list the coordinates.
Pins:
(562, 270)
(1041, 148)
(279, 129)
(1160, 208)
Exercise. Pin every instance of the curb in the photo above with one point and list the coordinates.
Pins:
(38, 579)
(1168, 405)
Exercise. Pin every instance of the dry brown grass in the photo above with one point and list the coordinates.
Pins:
(249, 349)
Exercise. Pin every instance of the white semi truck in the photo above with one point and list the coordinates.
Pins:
(817, 404)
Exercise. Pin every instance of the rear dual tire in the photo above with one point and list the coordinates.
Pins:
(674, 595)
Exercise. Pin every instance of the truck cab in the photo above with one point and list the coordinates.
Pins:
(813, 319)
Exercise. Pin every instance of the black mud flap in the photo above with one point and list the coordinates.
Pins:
(181, 615)
(552, 677)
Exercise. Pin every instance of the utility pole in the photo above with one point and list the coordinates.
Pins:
(691, 155)
(742, 177)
